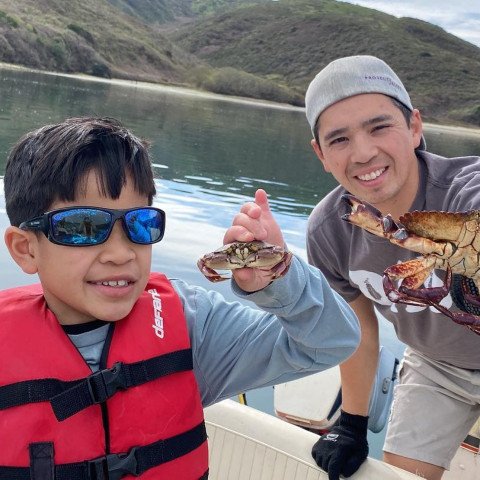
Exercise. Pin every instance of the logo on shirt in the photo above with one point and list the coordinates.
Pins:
(157, 313)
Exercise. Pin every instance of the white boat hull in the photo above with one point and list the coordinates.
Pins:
(246, 444)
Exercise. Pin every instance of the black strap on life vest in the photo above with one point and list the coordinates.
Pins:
(42, 466)
(70, 397)
(115, 466)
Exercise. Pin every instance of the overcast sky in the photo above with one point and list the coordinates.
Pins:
(460, 17)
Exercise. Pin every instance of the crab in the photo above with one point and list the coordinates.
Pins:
(256, 254)
(447, 241)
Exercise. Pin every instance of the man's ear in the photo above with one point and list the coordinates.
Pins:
(21, 245)
(416, 127)
(319, 154)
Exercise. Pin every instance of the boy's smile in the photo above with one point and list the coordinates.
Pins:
(103, 281)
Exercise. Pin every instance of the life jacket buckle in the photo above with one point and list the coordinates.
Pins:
(104, 383)
(114, 466)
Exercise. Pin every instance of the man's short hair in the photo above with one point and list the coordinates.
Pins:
(51, 164)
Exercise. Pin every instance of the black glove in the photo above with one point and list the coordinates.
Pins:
(344, 448)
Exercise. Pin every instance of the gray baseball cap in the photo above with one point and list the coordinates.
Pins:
(349, 76)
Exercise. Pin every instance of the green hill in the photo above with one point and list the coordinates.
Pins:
(89, 36)
(155, 11)
(98, 38)
(289, 41)
(255, 48)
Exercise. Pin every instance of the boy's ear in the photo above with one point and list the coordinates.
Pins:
(21, 245)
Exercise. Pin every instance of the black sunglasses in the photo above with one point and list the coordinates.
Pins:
(85, 226)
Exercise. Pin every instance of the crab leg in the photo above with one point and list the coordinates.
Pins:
(281, 268)
(211, 274)
(413, 272)
(421, 296)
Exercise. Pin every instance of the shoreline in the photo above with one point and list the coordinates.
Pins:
(432, 127)
(453, 129)
(155, 86)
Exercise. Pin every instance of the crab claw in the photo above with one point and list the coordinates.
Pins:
(367, 217)
(357, 205)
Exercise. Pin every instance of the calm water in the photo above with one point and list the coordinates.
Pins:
(210, 156)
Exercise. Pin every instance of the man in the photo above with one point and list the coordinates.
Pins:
(369, 137)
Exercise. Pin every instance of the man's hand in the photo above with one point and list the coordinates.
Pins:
(254, 222)
(344, 448)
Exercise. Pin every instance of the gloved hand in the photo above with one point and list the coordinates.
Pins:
(344, 448)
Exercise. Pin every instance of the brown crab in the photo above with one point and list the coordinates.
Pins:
(447, 240)
(256, 254)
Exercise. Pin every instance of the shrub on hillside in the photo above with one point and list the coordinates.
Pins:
(230, 81)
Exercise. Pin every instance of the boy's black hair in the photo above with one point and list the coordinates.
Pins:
(52, 163)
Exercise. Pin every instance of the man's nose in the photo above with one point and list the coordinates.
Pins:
(363, 149)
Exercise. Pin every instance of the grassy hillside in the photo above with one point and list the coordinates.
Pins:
(89, 36)
(163, 11)
(155, 11)
(289, 41)
(98, 38)
(255, 48)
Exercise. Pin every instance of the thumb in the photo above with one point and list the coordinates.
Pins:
(261, 199)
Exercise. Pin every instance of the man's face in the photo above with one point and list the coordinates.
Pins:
(366, 144)
(95, 282)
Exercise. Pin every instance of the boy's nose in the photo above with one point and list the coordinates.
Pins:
(118, 248)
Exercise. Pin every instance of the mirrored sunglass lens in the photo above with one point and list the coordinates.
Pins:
(144, 225)
(81, 226)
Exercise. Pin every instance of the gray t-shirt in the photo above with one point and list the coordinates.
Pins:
(353, 260)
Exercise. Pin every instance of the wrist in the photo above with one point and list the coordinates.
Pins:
(358, 423)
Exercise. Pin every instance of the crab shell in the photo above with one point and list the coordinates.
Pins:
(448, 241)
(256, 254)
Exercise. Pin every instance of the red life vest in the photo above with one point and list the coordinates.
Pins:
(34, 347)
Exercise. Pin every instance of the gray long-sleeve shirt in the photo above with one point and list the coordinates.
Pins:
(303, 327)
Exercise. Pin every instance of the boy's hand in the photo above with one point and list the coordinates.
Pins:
(254, 222)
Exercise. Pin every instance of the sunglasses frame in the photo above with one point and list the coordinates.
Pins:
(43, 223)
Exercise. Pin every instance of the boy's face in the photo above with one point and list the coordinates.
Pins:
(103, 281)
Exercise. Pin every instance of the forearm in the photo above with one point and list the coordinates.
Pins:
(311, 313)
(307, 328)
(358, 372)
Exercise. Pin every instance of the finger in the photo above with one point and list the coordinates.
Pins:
(238, 233)
(334, 469)
(261, 199)
(352, 464)
(253, 225)
(251, 209)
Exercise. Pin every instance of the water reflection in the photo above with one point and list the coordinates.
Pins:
(210, 155)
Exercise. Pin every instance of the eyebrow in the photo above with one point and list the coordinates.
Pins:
(371, 121)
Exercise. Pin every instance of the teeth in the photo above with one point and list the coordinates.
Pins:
(372, 175)
(114, 283)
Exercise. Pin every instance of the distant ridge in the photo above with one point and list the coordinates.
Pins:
(289, 41)
(261, 49)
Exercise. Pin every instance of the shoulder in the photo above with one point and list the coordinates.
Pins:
(452, 171)
(452, 183)
(15, 294)
(328, 210)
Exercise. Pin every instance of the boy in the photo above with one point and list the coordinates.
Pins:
(160, 350)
